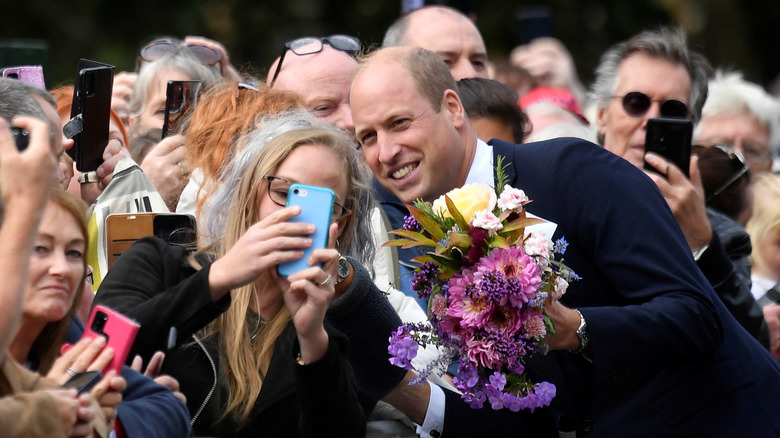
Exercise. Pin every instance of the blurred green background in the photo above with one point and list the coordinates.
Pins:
(735, 34)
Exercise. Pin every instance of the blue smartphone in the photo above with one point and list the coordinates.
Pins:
(316, 208)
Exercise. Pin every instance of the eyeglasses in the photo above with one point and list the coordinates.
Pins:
(278, 188)
(636, 104)
(90, 277)
(156, 50)
(734, 157)
(312, 45)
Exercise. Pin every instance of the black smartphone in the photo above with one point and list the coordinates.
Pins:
(532, 22)
(670, 138)
(83, 381)
(21, 137)
(90, 114)
(180, 100)
(175, 228)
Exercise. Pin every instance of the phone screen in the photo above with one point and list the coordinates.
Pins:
(175, 228)
(532, 22)
(83, 381)
(180, 100)
(671, 139)
(316, 208)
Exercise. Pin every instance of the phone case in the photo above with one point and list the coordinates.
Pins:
(92, 104)
(123, 229)
(83, 381)
(671, 139)
(180, 100)
(119, 331)
(32, 74)
(316, 208)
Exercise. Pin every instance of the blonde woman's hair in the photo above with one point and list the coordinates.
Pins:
(240, 190)
(765, 222)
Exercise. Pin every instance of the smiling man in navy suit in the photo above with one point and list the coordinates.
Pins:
(643, 346)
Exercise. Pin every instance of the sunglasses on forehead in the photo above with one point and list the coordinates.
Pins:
(637, 104)
(156, 50)
(312, 45)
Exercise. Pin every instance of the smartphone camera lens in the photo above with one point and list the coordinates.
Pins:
(99, 322)
(21, 137)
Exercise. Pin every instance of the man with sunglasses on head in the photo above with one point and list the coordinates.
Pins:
(321, 71)
(651, 75)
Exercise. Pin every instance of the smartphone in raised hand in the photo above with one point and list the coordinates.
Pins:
(670, 138)
(317, 209)
(90, 114)
(180, 100)
(119, 331)
(83, 381)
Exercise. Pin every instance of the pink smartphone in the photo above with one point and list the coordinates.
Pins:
(119, 331)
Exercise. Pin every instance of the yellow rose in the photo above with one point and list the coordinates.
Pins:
(468, 199)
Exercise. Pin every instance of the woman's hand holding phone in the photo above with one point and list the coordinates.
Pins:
(85, 355)
(263, 246)
(308, 293)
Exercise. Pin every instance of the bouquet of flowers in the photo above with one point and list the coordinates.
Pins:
(487, 281)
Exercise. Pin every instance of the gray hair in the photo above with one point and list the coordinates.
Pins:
(17, 98)
(181, 60)
(361, 201)
(730, 93)
(666, 43)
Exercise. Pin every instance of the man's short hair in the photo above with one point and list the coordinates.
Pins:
(665, 43)
(486, 98)
(17, 98)
(430, 74)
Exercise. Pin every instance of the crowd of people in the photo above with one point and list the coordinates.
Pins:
(673, 328)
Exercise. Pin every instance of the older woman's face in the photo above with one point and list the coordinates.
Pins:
(56, 266)
(316, 165)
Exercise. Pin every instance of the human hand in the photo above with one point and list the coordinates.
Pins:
(153, 371)
(227, 69)
(87, 354)
(567, 321)
(87, 414)
(165, 166)
(112, 154)
(308, 293)
(264, 245)
(66, 170)
(772, 318)
(685, 198)
(108, 393)
(28, 176)
(549, 62)
(124, 82)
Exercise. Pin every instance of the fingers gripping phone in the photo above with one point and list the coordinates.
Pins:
(83, 381)
(90, 114)
(119, 331)
(671, 139)
(316, 208)
(180, 100)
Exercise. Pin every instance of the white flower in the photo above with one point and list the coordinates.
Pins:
(486, 220)
(511, 198)
(560, 288)
(537, 244)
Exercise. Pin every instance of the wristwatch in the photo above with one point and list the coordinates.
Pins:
(582, 333)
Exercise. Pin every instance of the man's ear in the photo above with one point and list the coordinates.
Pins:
(454, 107)
(601, 120)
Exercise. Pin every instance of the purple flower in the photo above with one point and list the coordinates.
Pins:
(545, 391)
(402, 349)
(424, 278)
(497, 380)
(411, 224)
(513, 402)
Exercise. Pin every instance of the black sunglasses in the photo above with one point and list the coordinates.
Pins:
(312, 45)
(636, 104)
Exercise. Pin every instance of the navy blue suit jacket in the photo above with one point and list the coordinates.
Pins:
(667, 357)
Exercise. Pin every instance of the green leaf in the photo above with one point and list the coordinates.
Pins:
(427, 223)
(501, 178)
(445, 261)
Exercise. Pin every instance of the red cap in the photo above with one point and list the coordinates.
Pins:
(557, 96)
